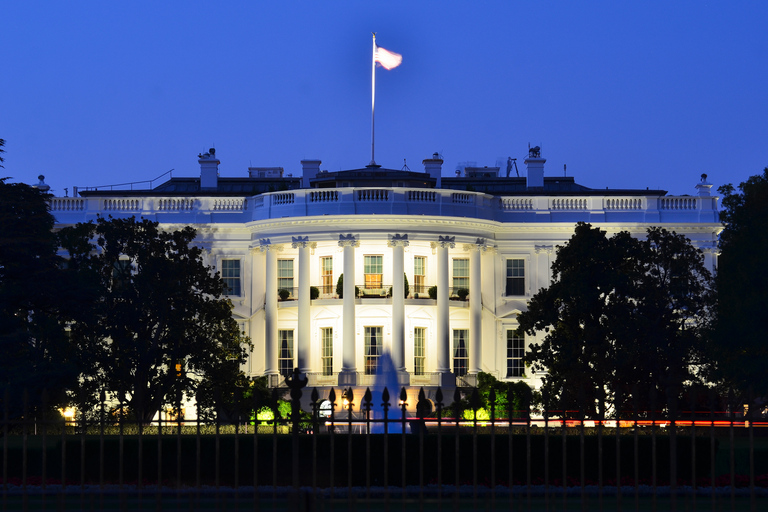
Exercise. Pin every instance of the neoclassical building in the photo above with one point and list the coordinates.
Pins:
(435, 269)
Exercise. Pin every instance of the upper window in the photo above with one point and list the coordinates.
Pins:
(460, 273)
(515, 353)
(326, 271)
(285, 275)
(372, 349)
(419, 274)
(230, 272)
(373, 270)
(515, 277)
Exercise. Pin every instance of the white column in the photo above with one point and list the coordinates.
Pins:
(398, 244)
(443, 321)
(475, 309)
(303, 345)
(348, 375)
(270, 308)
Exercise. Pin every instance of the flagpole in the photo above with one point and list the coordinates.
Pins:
(373, 97)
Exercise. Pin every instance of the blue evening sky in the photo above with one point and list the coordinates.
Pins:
(628, 94)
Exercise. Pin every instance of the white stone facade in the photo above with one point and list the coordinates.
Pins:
(498, 247)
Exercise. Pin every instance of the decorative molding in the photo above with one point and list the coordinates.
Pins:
(445, 242)
(546, 249)
(398, 241)
(266, 245)
(481, 244)
(348, 241)
(302, 242)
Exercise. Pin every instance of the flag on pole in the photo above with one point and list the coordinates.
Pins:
(387, 59)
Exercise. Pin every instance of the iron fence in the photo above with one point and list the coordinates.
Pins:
(375, 449)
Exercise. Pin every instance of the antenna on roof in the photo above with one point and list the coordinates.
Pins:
(564, 170)
(512, 162)
(405, 166)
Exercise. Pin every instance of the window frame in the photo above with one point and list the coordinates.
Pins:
(515, 355)
(226, 278)
(326, 275)
(370, 281)
(419, 350)
(513, 283)
(326, 350)
(457, 280)
(285, 282)
(371, 360)
(283, 337)
(419, 279)
(460, 352)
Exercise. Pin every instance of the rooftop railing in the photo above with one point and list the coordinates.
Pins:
(395, 201)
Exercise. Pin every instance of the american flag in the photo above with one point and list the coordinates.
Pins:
(387, 59)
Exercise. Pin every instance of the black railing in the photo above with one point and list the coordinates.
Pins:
(423, 450)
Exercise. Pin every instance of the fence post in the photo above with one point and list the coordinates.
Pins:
(295, 382)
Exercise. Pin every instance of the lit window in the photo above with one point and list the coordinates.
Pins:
(327, 355)
(515, 353)
(515, 277)
(419, 350)
(460, 274)
(230, 272)
(285, 357)
(372, 349)
(373, 272)
(326, 269)
(419, 273)
(460, 352)
(285, 275)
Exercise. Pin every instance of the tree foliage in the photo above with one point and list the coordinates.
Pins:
(742, 283)
(622, 320)
(160, 325)
(34, 299)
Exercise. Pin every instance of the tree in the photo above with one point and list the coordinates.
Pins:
(622, 320)
(161, 324)
(34, 299)
(739, 342)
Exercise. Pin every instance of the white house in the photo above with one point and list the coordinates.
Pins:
(492, 235)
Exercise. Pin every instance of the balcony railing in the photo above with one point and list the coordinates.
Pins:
(396, 201)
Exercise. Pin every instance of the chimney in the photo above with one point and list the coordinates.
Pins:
(309, 169)
(209, 170)
(535, 165)
(704, 187)
(434, 167)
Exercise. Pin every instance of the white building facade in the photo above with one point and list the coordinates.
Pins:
(473, 250)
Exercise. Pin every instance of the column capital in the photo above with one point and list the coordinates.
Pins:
(302, 242)
(547, 249)
(445, 242)
(482, 245)
(348, 241)
(398, 241)
(265, 245)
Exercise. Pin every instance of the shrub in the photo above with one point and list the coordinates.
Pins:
(283, 294)
(462, 293)
(314, 292)
(432, 292)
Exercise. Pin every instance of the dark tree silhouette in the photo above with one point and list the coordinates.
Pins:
(621, 316)
(161, 324)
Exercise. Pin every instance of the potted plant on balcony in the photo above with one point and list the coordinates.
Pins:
(432, 292)
(340, 288)
(462, 293)
(406, 287)
(314, 292)
(283, 294)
